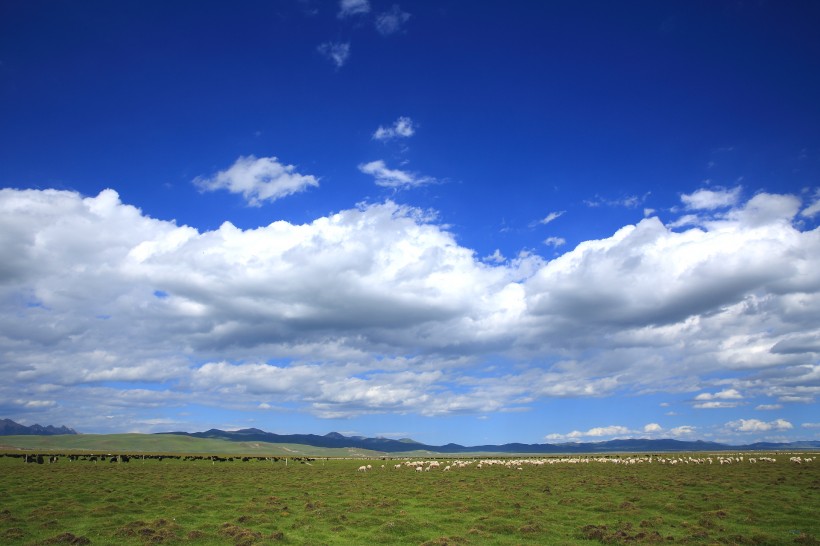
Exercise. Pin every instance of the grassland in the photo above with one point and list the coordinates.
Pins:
(169, 443)
(174, 501)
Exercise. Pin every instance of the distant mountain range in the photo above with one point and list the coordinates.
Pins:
(386, 445)
(10, 428)
(336, 440)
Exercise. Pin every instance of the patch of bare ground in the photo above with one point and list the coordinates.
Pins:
(241, 536)
(13, 533)
(445, 541)
(68, 538)
(653, 522)
(153, 532)
(623, 533)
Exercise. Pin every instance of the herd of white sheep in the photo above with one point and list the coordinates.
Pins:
(518, 464)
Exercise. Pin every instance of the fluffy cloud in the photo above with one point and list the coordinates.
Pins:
(704, 199)
(336, 52)
(596, 432)
(380, 309)
(755, 425)
(348, 8)
(814, 208)
(726, 394)
(391, 22)
(393, 178)
(718, 399)
(258, 179)
(684, 430)
(401, 128)
(675, 276)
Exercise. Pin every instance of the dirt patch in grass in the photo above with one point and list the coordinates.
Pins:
(68, 538)
(805, 538)
(154, 532)
(623, 533)
(313, 505)
(241, 536)
(653, 522)
(14, 533)
(445, 541)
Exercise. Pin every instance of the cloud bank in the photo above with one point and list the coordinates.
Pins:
(378, 309)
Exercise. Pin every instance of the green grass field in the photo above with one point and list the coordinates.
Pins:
(174, 501)
(169, 443)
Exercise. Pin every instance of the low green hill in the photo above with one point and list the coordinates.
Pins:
(164, 443)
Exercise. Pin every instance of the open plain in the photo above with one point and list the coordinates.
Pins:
(739, 498)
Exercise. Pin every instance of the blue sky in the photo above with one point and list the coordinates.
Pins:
(477, 222)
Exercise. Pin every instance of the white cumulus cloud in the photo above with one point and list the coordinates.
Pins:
(403, 127)
(393, 178)
(706, 199)
(378, 308)
(683, 430)
(596, 432)
(258, 179)
(726, 394)
(756, 425)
